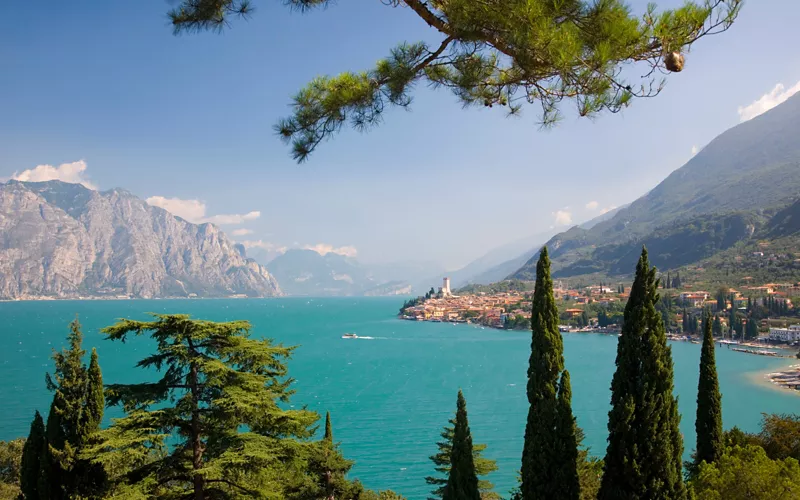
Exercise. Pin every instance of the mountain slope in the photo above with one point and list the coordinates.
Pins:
(721, 197)
(63, 240)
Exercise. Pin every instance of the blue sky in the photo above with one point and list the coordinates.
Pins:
(190, 118)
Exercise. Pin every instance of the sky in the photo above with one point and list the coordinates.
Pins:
(104, 94)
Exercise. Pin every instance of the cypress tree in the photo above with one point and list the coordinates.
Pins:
(567, 443)
(717, 328)
(543, 467)
(708, 424)
(31, 459)
(92, 477)
(462, 484)
(64, 431)
(752, 328)
(325, 472)
(328, 437)
(441, 461)
(643, 458)
(95, 398)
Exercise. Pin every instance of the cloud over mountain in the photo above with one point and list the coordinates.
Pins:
(74, 173)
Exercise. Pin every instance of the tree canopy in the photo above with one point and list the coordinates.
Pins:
(218, 402)
(504, 53)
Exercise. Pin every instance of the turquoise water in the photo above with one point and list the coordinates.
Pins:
(389, 397)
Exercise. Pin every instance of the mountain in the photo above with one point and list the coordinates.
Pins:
(306, 272)
(720, 198)
(490, 267)
(62, 240)
(602, 218)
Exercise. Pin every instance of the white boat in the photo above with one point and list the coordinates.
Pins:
(349, 336)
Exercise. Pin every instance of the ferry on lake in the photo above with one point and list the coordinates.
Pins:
(349, 336)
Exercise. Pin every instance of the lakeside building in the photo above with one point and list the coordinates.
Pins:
(446, 287)
(791, 334)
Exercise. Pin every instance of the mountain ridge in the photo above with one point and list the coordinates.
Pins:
(63, 240)
(721, 197)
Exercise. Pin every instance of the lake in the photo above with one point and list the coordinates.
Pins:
(389, 396)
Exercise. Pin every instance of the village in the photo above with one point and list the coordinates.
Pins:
(598, 308)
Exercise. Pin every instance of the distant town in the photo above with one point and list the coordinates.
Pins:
(753, 313)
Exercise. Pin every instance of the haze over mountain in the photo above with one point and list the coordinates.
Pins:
(62, 240)
(308, 273)
(724, 195)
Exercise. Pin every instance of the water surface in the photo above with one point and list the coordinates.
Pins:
(389, 396)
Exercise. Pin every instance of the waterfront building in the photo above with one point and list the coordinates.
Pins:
(791, 334)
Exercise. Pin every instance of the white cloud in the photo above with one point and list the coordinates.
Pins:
(776, 96)
(191, 210)
(74, 173)
(607, 209)
(592, 205)
(324, 248)
(563, 217)
(195, 211)
(241, 232)
(265, 245)
(694, 150)
(233, 218)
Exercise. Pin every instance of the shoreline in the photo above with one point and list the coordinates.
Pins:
(786, 379)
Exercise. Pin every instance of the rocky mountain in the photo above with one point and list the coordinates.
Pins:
(63, 240)
(307, 273)
(721, 198)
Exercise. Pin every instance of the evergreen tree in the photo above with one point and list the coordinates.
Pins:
(567, 440)
(584, 318)
(708, 424)
(441, 461)
(95, 399)
(31, 459)
(504, 53)
(92, 476)
(717, 326)
(328, 436)
(65, 430)
(752, 329)
(676, 282)
(462, 483)
(643, 459)
(669, 282)
(543, 468)
(325, 472)
(220, 401)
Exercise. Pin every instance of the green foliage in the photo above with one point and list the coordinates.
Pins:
(708, 423)
(747, 473)
(383, 495)
(64, 474)
(220, 401)
(716, 328)
(498, 53)
(31, 465)
(441, 461)
(95, 398)
(780, 436)
(324, 472)
(13, 463)
(499, 287)
(548, 472)
(462, 480)
(643, 458)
